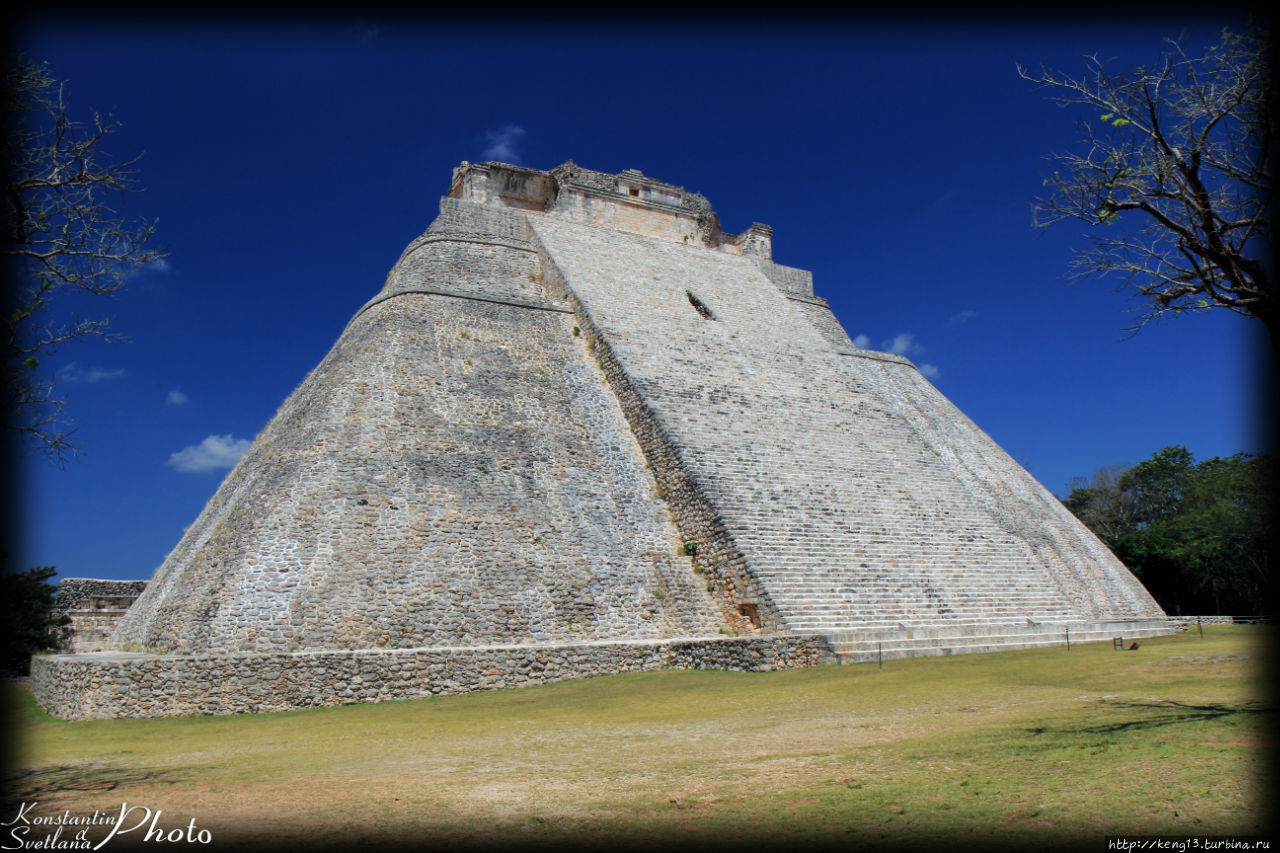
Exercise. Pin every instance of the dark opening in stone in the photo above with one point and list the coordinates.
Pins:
(699, 307)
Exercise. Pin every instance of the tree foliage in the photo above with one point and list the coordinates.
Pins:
(31, 625)
(1199, 536)
(1175, 164)
(62, 240)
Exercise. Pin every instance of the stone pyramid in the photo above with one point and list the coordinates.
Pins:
(580, 415)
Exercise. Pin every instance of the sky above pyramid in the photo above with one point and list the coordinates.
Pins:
(289, 164)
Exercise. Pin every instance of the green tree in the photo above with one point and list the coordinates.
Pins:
(1175, 165)
(1222, 546)
(62, 240)
(1155, 485)
(31, 624)
(1199, 536)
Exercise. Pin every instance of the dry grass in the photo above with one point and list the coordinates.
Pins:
(1018, 747)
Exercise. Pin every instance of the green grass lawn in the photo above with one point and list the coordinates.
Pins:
(1016, 748)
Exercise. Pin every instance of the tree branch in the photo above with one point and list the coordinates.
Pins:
(1186, 161)
(60, 235)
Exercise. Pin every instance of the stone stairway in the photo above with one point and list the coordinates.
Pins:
(814, 604)
(846, 492)
(905, 639)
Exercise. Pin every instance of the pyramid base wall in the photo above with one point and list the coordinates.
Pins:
(122, 684)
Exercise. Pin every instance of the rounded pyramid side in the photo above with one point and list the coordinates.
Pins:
(454, 472)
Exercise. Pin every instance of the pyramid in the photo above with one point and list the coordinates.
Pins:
(582, 429)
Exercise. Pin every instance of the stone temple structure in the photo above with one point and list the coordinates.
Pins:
(583, 430)
(93, 608)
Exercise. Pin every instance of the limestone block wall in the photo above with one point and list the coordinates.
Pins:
(82, 687)
(841, 509)
(631, 217)
(91, 630)
(95, 594)
(744, 604)
(789, 280)
(1188, 623)
(454, 472)
(819, 315)
(1089, 576)
(95, 607)
(468, 248)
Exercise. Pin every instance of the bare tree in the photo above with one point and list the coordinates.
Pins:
(1103, 502)
(62, 239)
(1176, 165)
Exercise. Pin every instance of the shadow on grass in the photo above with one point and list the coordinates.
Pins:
(1166, 712)
(44, 781)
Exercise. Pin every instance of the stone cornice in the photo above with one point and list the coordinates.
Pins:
(462, 294)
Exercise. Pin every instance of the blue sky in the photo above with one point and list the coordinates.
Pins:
(289, 164)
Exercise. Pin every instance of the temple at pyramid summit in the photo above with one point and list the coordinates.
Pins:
(582, 430)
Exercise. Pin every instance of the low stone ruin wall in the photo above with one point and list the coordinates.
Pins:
(79, 593)
(95, 607)
(122, 684)
(1189, 622)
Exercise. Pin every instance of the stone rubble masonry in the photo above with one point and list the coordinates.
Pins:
(95, 608)
(1189, 622)
(579, 412)
(121, 684)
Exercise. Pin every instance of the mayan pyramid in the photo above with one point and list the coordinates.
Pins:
(579, 413)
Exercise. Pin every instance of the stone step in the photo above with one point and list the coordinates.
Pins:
(994, 639)
(809, 597)
(916, 615)
(857, 622)
(938, 640)
(933, 632)
(818, 596)
(827, 604)
(1008, 625)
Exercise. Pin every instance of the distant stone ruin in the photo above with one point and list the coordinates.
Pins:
(583, 430)
(95, 608)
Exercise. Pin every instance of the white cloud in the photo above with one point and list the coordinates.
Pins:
(901, 344)
(963, 317)
(176, 398)
(503, 143)
(904, 343)
(73, 372)
(216, 451)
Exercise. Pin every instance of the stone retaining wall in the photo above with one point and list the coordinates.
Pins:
(1188, 622)
(119, 684)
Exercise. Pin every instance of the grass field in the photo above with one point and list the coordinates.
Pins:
(1017, 748)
